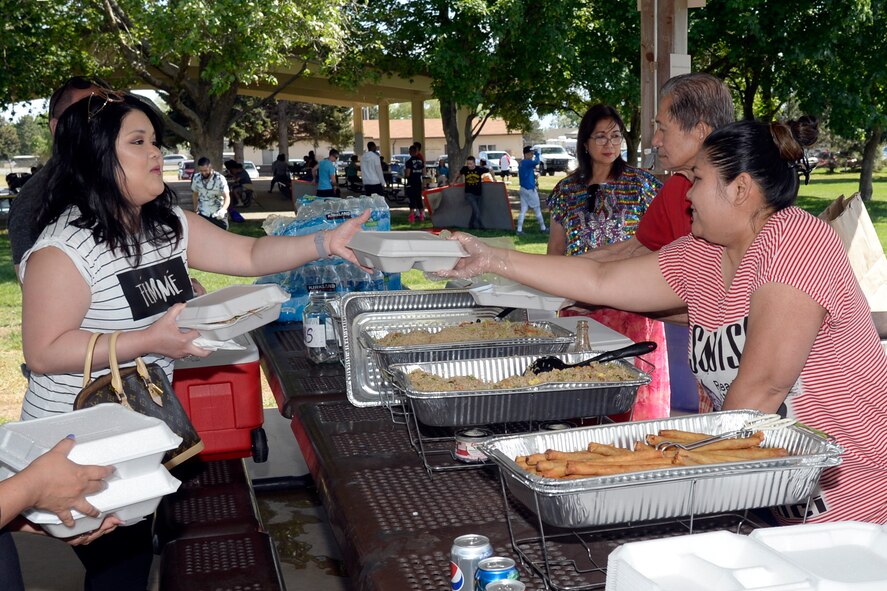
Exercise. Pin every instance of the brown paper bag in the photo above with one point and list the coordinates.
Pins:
(851, 221)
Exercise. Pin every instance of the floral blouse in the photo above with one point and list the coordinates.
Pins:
(612, 215)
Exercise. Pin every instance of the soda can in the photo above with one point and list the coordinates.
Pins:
(506, 585)
(496, 568)
(467, 441)
(466, 553)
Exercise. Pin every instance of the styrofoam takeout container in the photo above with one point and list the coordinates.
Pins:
(106, 434)
(700, 562)
(130, 499)
(516, 296)
(844, 556)
(232, 311)
(396, 252)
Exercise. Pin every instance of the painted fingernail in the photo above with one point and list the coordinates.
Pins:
(70, 436)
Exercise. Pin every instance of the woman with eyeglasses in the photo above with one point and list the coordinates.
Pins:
(114, 255)
(778, 322)
(602, 203)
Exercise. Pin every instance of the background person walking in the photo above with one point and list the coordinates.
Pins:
(529, 196)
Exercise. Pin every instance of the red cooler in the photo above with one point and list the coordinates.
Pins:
(222, 393)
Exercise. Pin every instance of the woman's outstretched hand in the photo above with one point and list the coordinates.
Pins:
(337, 240)
(482, 258)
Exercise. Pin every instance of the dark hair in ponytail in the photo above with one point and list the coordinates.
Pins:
(771, 153)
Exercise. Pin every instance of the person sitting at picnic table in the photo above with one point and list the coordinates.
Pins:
(778, 321)
(241, 186)
(443, 173)
(351, 174)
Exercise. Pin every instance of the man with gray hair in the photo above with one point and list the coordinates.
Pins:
(691, 106)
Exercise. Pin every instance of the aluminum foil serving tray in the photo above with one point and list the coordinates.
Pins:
(666, 493)
(543, 402)
(386, 356)
(365, 384)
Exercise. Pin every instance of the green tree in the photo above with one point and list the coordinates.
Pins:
(848, 83)
(484, 58)
(305, 122)
(8, 141)
(802, 55)
(33, 136)
(199, 53)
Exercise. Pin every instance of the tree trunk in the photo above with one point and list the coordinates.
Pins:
(283, 144)
(209, 120)
(457, 151)
(870, 154)
(238, 150)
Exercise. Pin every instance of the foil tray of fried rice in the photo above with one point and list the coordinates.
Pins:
(469, 392)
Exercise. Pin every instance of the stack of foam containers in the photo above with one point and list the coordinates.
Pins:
(106, 434)
(844, 556)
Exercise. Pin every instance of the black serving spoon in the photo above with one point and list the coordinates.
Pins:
(505, 312)
(549, 362)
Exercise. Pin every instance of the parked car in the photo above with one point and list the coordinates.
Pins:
(186, 170)
(172, 161)
(555, 158)
(492, 157)
(342, 162)
(251, 169)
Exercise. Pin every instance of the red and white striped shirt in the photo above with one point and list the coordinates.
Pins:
(842, 389)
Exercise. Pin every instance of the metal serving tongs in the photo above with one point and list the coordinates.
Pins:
(769, 422)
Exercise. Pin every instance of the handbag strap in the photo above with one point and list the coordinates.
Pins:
(116, 380)
(90, 350)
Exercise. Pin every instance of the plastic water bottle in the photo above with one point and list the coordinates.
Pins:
(319, 329)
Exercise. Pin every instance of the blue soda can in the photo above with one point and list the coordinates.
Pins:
(496, 568)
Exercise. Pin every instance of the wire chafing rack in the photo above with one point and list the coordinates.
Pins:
(566, 541)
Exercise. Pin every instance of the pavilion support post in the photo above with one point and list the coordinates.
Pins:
(648, 72)
(663, 53)
(417, 108)
(384, 131)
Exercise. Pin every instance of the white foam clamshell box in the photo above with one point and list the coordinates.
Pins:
(516, 296)
(702, 562)
(396, 252)
(107, 435)
(843, 556)
(130, 499)
(232, 311)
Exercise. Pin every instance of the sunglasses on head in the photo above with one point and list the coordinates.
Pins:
(76, 83)
(99, 99)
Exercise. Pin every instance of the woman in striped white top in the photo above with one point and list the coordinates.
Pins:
(777, 319)
(114, 255)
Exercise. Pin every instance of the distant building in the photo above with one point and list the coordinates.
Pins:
(494, 136)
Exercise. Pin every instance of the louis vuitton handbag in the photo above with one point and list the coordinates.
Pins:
(145, 389)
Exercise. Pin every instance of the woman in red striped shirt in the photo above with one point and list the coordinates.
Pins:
(777, 319)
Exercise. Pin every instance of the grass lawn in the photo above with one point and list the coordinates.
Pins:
(823, 189)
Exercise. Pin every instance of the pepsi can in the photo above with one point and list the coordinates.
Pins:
(466, 553)
(506, 585)
(490, 570)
